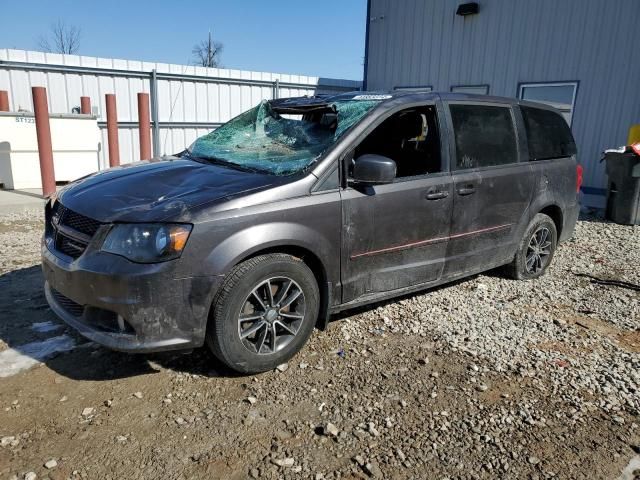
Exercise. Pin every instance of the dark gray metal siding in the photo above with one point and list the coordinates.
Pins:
(594, 42)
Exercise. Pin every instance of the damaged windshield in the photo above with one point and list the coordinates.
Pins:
(281, 137)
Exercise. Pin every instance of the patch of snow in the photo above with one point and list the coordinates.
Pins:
(23, 357)
(629, 473)
(44, 327)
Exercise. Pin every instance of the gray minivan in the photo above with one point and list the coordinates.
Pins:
(302, 207)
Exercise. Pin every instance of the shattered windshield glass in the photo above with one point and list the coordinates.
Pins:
(280, 138)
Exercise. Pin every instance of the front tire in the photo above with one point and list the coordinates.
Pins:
(264, 313)
(536, 249)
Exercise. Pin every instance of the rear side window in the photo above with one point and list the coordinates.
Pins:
(485, 136)
(548, 134)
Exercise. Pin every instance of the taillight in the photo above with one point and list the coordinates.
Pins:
(636, 148)
(578, 177)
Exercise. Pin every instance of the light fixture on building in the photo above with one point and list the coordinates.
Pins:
(465, 9)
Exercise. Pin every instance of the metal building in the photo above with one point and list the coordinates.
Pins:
(579, 55)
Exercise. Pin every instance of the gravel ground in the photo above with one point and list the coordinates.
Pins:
(486, 378)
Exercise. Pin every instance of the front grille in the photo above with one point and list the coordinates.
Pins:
(68, 246)
(67, 304)
(64, 239)
(80, 223)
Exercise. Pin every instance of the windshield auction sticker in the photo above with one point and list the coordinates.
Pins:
(372, 97)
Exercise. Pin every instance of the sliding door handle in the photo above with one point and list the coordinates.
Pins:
(467, 190)
(436, 195)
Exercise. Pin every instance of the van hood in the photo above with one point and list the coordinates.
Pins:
(158, 191)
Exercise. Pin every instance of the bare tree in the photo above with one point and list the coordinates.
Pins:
(207, 53)
(62, 38)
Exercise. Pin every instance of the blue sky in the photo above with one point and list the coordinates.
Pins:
(300, 37)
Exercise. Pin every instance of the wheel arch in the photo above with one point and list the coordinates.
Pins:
(308, 245)
(555, 213)
(316, 266)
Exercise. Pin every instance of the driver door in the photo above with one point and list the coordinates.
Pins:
(395, 235)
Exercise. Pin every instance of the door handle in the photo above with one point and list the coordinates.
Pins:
(436, 195)
(466, 190)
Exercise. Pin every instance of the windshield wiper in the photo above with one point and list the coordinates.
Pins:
(222, 162)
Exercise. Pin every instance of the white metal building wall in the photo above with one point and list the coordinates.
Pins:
(187, 108)
(594, 42)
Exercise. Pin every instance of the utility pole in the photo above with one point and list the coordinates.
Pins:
(209, 51)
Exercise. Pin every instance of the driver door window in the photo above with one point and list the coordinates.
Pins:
(410, 138)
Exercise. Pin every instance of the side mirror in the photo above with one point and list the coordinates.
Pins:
(373, 169)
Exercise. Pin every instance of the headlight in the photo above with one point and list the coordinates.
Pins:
(147, 243)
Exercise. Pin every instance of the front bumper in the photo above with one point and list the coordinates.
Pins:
(127, 306)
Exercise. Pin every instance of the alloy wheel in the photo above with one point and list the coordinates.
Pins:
(538, 250)
(271, 315)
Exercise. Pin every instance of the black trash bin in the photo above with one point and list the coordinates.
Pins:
(623, 194)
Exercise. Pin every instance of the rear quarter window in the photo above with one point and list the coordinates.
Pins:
(484, 135)
(548, 134)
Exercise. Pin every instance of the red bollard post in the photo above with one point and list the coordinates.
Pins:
(144, 126)
(43, 132)
(85, 105)
(112, 130)
(4, 101)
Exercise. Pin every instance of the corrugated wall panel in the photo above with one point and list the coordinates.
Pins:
(190, 100)
(423, 42)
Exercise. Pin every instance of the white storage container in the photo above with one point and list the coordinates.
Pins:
(75, 140)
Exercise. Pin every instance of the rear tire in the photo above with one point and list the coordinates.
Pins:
(264, 313)
(536, 249)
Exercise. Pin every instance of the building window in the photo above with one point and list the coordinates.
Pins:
(561, 95)
(485, 136)
(416, 88)
(472, 89)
